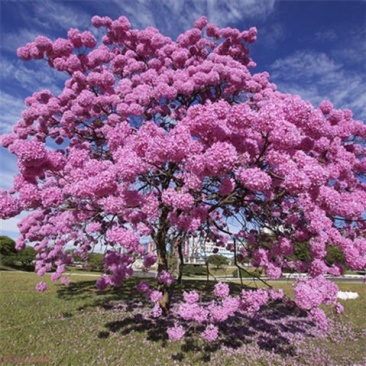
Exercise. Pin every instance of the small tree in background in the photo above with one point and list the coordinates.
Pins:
(11, 257)
(26, 257)
(218, 260)
(95, 262)
(170, 139)
(7, 250)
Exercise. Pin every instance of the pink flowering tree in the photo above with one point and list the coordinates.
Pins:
(162, 139)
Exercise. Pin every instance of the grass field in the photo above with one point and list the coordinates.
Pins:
(77, 325)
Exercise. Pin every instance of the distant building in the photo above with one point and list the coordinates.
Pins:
(197, 250)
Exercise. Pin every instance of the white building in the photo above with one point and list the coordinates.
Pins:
(197, 250)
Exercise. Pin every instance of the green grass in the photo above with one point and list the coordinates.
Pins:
(77, 325)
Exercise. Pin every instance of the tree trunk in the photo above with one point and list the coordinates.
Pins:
(161, 251)
(181, 262)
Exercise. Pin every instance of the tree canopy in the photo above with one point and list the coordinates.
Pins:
(166, 139)
(217, 260)
(7, 246)
(10, 256)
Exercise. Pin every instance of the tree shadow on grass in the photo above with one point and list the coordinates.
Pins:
(123, 298)
(274, 328)
(107, 299)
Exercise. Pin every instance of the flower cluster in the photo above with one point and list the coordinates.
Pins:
(311, 293)
(210, 314)
(119, 268)
(165, 278)
(172, 140)
(149, 260)
(221, 290)
(176, 333)
(191, 297)
(41, 286)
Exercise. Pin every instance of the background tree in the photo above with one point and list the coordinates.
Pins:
(218, 260)
(11, 257)
(7, 250)
(95, 262)
(26, 258)
(169, 139)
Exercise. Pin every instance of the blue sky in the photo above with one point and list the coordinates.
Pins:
(316, 49)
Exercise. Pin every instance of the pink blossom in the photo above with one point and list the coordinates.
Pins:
(41, 286)
(252, 300)
(231, 304)
(182, 201)
(176, 333)
(30, 153)
(98, 21)
(339, 309)
(155, 296)
(326, 106)
(191, 297)
(124, 237)
(93, 227)
(201, 22)
(313, 292)
(254, 179)
(65, 281)
(221, 290)
(74, 36)
(220, 158)
(166, 278)
(319, 318)
(61, 47)
(55, 276)
(276, 294)
(10, 206)
(227, 186)
(211, 333)
(88, 40)
(41, 271)
(156, 312)
(273, 272)
(219, 313)
(143, 287)
(23, 53)
(193, 312)
(212, 31)
(7, 139)
(318, 268)
(150, 260)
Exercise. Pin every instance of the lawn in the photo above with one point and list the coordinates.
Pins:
(77, 325)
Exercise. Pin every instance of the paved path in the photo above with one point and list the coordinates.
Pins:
(286, 277)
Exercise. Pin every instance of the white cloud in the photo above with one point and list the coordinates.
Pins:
(173, 17)
(8, 169)
(353, 48)
(7, 178)
(33, 76)
(10, 110)
(11, 41)
(315, 77)
(224, 12)
(55, 15)
(305, 64)
(9, 227)
(270, 34)
(10, 224)
(44, 17)
(326, 35)
(140, 12)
